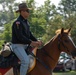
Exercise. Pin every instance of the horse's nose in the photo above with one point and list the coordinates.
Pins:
(73, 53)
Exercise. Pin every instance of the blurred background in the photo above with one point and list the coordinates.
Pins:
(45, 18)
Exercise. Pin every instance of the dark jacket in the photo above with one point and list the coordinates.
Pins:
(21, 33)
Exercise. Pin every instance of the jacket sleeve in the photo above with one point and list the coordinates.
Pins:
(19, 34)
(32, 37)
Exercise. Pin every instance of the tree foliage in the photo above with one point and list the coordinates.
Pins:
(44, 20)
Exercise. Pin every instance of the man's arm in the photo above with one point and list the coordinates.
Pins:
(32, 37)
(18, 31)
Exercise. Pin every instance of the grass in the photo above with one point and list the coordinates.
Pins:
(65, 73)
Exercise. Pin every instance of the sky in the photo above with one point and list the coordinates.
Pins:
(40, 2)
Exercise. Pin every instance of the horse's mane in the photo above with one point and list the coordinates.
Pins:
(59, 31)
(49, 41)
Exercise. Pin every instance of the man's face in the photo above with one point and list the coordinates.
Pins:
(25, 13)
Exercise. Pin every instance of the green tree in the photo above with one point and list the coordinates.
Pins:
(35, 19)
(7, 32)
(67, 9)
(7, 12)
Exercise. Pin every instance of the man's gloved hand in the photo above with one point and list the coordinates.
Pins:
(36, 43)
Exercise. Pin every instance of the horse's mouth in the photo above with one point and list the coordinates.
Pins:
(73, 53)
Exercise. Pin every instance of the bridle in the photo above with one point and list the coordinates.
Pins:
(60, 42)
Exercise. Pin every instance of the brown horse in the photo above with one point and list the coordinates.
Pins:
(50, 52)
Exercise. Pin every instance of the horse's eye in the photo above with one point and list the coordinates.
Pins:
(66, 41)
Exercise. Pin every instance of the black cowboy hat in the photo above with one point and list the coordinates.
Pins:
(22, 6)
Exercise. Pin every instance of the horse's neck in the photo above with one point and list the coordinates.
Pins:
(54, 53)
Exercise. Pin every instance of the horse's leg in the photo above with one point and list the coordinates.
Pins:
(15, 70)
(39, 71)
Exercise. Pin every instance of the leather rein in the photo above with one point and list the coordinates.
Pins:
(45, 52)
(60, 42)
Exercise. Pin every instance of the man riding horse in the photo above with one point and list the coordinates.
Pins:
(22, 37)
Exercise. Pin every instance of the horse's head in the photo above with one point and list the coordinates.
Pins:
(65, 42)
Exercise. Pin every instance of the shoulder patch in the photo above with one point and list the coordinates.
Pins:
(17, 22)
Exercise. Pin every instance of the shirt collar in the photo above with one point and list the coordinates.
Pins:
(22, 18)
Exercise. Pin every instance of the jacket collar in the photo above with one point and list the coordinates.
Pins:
(20, 17)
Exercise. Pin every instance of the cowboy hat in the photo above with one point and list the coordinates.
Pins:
(22, 7)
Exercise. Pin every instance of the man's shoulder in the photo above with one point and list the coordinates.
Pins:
(17, 22)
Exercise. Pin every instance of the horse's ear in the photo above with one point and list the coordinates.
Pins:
(69, 30)
(62, 30)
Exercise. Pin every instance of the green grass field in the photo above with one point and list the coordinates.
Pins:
(65, 73)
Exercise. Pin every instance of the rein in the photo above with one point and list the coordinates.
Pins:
(61, 43)
(45, 52)
(39, 60)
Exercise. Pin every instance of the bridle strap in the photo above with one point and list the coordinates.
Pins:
(65, 47)
(39, 60)
(61, 43)
(45, 52)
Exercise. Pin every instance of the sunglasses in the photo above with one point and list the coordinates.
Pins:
(27, 10)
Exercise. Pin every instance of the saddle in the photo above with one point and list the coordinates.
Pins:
(9, 59)
(6, 49)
